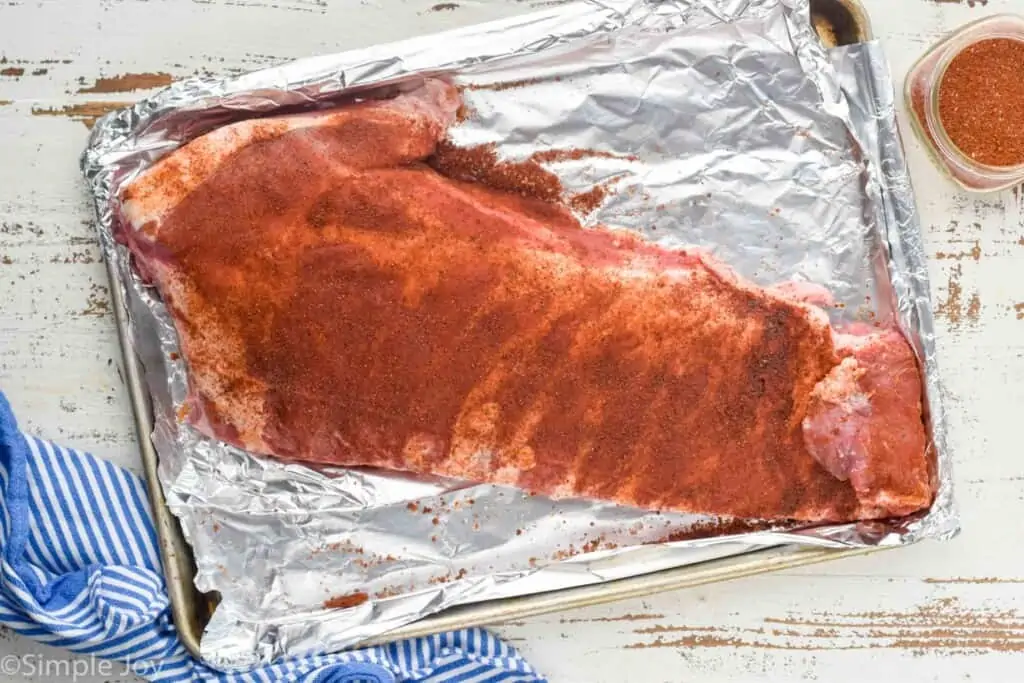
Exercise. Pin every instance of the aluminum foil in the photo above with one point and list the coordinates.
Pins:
(725, 124)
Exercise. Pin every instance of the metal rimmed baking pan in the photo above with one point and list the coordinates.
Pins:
(838, 22)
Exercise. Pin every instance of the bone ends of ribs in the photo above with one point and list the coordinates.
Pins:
(340, 300)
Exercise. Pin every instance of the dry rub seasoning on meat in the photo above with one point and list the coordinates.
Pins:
(350, 289)
(480, 165)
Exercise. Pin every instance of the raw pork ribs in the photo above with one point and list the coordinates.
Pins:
(338, 300)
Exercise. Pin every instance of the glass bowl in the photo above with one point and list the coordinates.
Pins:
(922, 96)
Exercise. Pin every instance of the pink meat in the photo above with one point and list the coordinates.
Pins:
(339, 300)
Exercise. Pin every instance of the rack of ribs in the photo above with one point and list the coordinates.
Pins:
(339, 300)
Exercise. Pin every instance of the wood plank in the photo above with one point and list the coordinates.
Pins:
(774, 628)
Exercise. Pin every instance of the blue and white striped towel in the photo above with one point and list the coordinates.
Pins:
(80, 570)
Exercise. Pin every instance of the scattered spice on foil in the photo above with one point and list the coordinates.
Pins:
(346, 601)
(552, 155)
(589, 201)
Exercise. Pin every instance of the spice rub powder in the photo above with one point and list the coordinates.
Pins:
(981, 101)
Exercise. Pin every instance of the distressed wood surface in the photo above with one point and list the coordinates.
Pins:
(933, 612)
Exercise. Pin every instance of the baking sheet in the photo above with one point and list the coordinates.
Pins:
(792, 171)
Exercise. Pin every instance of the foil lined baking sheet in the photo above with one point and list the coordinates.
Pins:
(719, 123)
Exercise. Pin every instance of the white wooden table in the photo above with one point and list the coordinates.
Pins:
(932, 612)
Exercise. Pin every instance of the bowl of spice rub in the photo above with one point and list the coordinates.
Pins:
(966, 101)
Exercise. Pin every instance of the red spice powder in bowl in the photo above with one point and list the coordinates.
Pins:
(966, 99)
(981, 101)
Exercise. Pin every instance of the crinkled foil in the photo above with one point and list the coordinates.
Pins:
(725, 125)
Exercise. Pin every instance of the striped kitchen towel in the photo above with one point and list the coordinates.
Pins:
(80, 570)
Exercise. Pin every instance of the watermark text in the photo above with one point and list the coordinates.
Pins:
(72, 668)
